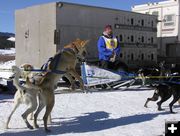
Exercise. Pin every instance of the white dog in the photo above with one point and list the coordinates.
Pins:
(24, 94)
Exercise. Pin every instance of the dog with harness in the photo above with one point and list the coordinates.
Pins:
(63, 63)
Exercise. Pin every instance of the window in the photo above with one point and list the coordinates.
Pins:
(132, 38)
(132, 21)
(142, 22)
(152, 40)
(156, 13)
(169, 20)
(132, 56)
(142, 39)
(120, 38)
(152, 56)
(152, 23)
(121, 55)
(142, 56)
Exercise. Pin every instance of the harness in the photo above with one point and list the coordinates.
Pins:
(44, 67)
(111, 43)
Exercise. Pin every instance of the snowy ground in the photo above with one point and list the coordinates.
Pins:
(119, 113)
(5, 73)
(6, 65)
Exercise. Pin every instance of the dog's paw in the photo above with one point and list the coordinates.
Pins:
(36, 126)
(47, 130)
(30, 127)
(172, 112)
(160, 109)
(145, 106)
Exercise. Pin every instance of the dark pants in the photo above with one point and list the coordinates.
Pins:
(113, 65)
(107, 64)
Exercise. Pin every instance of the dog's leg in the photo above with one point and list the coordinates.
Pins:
(49, 119)
(163, 99)
(40, 107)
(175, 99)
(16, 105)
(31, 116)
(71, 80)
(142, 78)
(49, 107)
(76, 75)
(31, 108)
(153, 98)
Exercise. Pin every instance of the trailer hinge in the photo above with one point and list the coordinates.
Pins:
(57, 37)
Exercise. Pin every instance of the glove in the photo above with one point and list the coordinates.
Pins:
(113, 58)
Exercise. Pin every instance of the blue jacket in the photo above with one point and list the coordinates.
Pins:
(104, 53)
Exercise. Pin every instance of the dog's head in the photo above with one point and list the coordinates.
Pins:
(26, 70)
(26, 67)
(80, 47)
(16, 72)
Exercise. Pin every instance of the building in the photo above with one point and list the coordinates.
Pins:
(43, 29)
(168, 33)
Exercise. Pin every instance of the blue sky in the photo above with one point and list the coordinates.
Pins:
(7, 8)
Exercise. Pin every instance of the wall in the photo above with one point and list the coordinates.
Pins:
(35, 34)
(167, 35)
(36, 39)
(76, 21)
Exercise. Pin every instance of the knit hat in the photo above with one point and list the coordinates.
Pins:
(107, 26)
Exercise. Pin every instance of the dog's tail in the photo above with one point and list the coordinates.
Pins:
(19, 87)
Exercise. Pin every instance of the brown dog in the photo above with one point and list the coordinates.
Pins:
(64, 61)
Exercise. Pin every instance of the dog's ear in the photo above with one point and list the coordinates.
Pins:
(77, 40)
(83, 43)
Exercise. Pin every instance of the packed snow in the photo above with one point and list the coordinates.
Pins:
(118, 113)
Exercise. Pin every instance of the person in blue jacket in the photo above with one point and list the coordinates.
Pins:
(109, 49)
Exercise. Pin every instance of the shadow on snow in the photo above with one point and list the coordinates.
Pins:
(89, 122)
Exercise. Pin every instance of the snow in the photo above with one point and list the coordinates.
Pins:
(100, 113)
(10, 51)
(5, 71)
(117, 113)
(4, 66)
(12, 39)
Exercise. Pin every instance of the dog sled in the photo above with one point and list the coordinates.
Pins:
(95, 77)
(6, 86)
